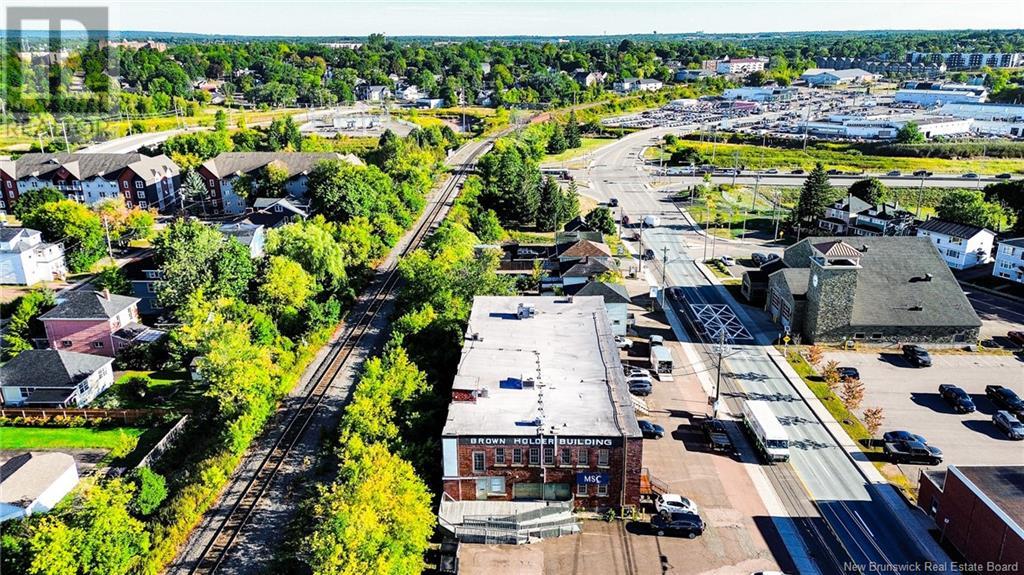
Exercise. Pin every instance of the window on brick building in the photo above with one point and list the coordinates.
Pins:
(565, 456)
(602, 490)
(65, 343)
(549, 456)
(517, 456)
(499, 456)
(478, 462)
(581, 490)
(582, 458)
(534, 456)
(602, 458)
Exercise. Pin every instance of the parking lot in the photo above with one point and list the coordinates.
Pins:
(910, 400)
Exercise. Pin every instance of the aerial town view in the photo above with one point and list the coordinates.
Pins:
(651, 287)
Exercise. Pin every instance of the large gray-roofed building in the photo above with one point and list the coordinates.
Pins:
(294, 163)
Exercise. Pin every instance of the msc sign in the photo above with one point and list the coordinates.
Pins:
(592, 478)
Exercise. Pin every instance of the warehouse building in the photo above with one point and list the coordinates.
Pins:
(830, 77)
(979, 510)
(540, 413)
(929, 97)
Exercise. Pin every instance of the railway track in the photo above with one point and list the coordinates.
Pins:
(226, 532)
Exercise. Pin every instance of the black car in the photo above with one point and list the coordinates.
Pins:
(848, 373)
(913, 452)
(689, 525)
(758, 258)
(957, 398)
(895, 436)
(717, 436)
(917, 356)
(797, 171)
(648, 254)
(1003, 176)
(651, 430)
(922, 173)
(613, 202)
(1005, 398)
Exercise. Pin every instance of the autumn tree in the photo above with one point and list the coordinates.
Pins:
(830, 373)
(73, 224)
(815, 354)
(852, 393)
(873, 419)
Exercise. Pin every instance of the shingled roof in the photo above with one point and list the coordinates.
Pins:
(50, 368)
(294, 163)
(85, 166)
(937, 226)
(612, 293)
(586, 248)
(89, 305)
(837, 249)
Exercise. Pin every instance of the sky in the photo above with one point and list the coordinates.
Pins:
(540, 18)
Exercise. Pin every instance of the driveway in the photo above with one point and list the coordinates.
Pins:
(910, 400)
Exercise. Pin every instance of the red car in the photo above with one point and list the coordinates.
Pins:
(1016, 337)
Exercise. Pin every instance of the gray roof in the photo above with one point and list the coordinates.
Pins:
(796, 280)
(837, 248)
(935, 225)
(84, 166)
(295, 163)
(89, 305)
(892, 288)
(1016, 242)
(612, 293)
(589, 267)
(853, 204)
(244, 232)
(50, 368)
(1002, 485)
(25, 477)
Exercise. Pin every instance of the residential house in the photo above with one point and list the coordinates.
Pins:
(1010, 260)
(99, 323)
(223, 172)
(373, 93)
(581, 271)
(145, 275)
(840, 215)
(430, 103)
(409, 93)
(740, 66)
(874, 289)
(588, 79)
(691, 75)
(54, 377)
(581, 249)
(35, 483)
(962, 246)
(616, 302)
(882, 220)
(25, 259)
(485, 98)
(140, 181)
(630, 85)
(252, 236)
(275, 212)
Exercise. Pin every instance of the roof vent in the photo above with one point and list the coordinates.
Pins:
(928, 277)
(916, 308)
(525, 311)
(863, 247)
(482, 392)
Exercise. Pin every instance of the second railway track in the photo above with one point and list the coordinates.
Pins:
(226, 531)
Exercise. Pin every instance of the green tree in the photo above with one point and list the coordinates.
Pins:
(910, 133)
(969, 207)
(197, 257)
(1011, 196)
(572, 131)
(600, 219)
(286, 285)
(75, 225)
(556, 143)
(552, 211)
(32, 199)
(871, 190)
(113, 279)
(220, 121)
(815, 197)
(23, 323)
(150, 491)
(340, 191)
(311, 245)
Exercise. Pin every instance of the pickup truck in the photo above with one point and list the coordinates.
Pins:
(718, 438)
(1005, 398)
(912, 452)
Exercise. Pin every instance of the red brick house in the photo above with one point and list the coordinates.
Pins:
(100, 323)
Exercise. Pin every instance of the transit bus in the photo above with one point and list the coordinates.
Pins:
(767, 432)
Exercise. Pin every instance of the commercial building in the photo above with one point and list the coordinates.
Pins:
(886, 127)
(35, 483)
(989, 118)
(968, 60)
(740, 66)
(760, 94)
(979, 510)
(961, 245)
(54, 378)
(1010, 260)
(930, 97)
(224, 172)
(872, 289)
(540, 409)
(883, 67)
(140, 181)
(831, 77)
(25, 259)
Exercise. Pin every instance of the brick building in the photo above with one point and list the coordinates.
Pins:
(540, 409)
(980, 511)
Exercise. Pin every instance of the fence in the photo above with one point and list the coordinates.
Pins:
(164, 444)
(125, 416)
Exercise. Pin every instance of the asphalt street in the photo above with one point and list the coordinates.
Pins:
(866, 526)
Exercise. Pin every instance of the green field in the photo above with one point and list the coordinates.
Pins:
(760, 157)
(588, 145)
(27, 438)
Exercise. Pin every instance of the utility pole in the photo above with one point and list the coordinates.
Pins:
(106, 228)
(920, 197)
(735, 167)
(718, 380)
(707, 226)
(757, 183)
(664, 266)
(775, 215)
(67, 146)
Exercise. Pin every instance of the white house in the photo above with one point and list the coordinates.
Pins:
(1010, 260)
(961, 246)
(629, 85)
(35, 483)
(25, 259)
(409, 93)
(616, 303)
(52, 377)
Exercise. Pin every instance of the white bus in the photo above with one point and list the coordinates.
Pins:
(661, 362)
(767, 432)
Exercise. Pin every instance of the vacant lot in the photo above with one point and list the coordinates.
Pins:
(910, 399)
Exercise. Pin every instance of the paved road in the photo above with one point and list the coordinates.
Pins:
(867, 527)
(795, 180)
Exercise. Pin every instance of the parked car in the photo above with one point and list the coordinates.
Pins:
(758, 258)
(648, 254)
(728, 260)
(1005, 398)
(833, 172)
(1003, 176)
(656, 340)
(684, 524)
(1016, 337)
(674, 503)
(623, 342)
(917, 356)
(641, 388)
(848, 373)
(676, 293)
(651, 430)
(717, 436)
(971, 176)
(894, 436)
(633, 371)
(894, 174)
(613, 202)
(913, 452)
(957, 398)
(797, 171)
(1009, 424)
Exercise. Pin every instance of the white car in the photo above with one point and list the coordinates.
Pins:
(674, 503)
(623, 343)
(727, 260)
(632, 372)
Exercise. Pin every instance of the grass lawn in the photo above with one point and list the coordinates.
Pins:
(26, 438)
(761, 157)
(587, 145)
(169, 389)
